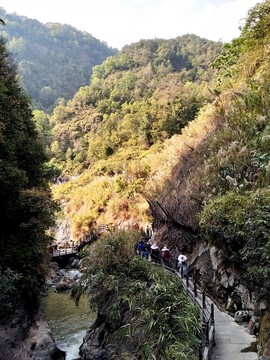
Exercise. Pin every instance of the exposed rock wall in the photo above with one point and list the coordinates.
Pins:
(22, 340)
(222, 283)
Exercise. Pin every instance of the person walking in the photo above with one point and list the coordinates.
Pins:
(155, 253)
(146, 250)
(141, 247)
(165, 254)
(182, 264)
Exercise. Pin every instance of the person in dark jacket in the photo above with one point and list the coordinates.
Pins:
(155, 253)
(165, 254)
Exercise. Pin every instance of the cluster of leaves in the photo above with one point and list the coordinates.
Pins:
(9, 295)
(26, 207)
(238, 225)
(54, 60)
(145, 309)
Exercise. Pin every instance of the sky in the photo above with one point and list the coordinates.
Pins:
(122, 22)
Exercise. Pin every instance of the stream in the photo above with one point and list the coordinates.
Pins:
(67, 322)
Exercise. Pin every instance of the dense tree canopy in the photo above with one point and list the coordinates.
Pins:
(54, 60)
(26, 208)
(143, 95)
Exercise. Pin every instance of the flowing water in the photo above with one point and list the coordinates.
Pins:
(67, 322)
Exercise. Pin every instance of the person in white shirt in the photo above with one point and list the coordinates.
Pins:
(182, 264)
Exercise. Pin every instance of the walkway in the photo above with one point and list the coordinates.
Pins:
(231, 339)
(64, 252)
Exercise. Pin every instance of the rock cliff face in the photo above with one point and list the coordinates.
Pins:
(221, 283)
(25, 340)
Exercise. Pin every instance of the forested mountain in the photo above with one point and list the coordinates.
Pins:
(218, 184)
(170, 132)
(158, 125)
(54, 60)
(110, 129)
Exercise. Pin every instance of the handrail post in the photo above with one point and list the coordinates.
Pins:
(201, 351)
(207, 332)
(212, 314)
(187, 281)
(182, 271)
(203, 299)
(195, 290)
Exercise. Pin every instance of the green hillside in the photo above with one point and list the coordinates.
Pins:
(208, 166)
(54, 60)
(221, 186)
(174, 133)
(111, 131)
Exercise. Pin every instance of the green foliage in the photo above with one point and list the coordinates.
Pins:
(238, 225)
(245, 55)
(53, 60)
(144, 95)
(139, 97)
(226, 62)
(257, 24)
(9, 295)
(144, 305)
(26, 207)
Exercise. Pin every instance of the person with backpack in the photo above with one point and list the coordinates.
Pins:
(141, 247)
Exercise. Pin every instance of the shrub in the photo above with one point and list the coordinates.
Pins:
(8, 294)
(238, 225)
(143, 305)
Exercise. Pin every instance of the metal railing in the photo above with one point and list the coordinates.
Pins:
(206, 309)
(65, 251)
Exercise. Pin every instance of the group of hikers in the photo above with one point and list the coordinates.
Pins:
(149, 250)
